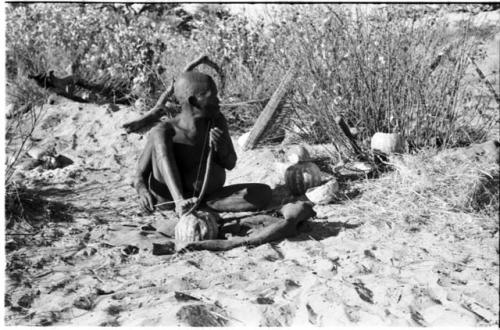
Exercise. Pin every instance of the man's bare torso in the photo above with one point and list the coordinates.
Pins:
(190, 146)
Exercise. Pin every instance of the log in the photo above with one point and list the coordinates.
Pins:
(61, 86)
(66, 86)
(264, 120)
(345, 142)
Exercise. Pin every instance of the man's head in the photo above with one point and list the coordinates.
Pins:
(197, 90)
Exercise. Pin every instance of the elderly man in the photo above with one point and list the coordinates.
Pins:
(174, 159)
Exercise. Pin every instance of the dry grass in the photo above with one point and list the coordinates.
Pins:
(431, 188)
(23, 94)
(28, 100)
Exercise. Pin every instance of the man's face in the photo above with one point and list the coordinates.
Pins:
(208, 102)
(200, 91)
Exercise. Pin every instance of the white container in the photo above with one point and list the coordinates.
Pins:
(387, 143)
(243, 139)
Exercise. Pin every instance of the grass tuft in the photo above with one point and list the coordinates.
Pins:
(431, 188)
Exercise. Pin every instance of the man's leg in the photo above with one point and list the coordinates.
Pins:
(294, 214)
(164, 169)
(240, 197)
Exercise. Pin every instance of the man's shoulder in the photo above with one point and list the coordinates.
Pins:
(167, 125)
(219, 119)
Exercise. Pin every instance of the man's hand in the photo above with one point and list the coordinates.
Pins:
(146, 200)
(218, 141)
(184, 205)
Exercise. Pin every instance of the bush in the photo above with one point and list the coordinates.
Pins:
(391, 69)
(27, 101)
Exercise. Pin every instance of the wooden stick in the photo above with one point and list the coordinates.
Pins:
(271, 107)
(485, 81)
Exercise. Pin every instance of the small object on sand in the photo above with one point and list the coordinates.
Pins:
(363, 292)
(197, 226)
(114, 309)
(160, 249)
(200, 315)
(264, 301)
(103, 292)
(26, 300)
(180, 296)
(297, 154)
(10, 245)
(477, 309)
(243, 139)
(302, 176)
(9, 110)
(360, 166)
(130, 249)
(148, 227)
(387, 143)
(52, 99)
(110, 107)
(85, 302)
(49, 162)
(323, 194)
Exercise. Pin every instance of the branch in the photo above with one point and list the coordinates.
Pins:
(203, 59)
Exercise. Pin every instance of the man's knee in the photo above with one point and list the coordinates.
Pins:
(161, 133)
(157, 133)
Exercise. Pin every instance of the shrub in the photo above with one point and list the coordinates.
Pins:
(27, 101)
(391, 69)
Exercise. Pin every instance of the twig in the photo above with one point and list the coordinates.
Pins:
(95, 275)
(237, 104)
(20, 234)
(228, 318)
(44, 274)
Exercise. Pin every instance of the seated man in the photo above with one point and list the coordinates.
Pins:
(175, 157)
(171, 167)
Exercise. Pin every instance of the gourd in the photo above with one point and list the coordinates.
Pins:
(323, 194)
(302, 176)
(387, 143)
(197, 226)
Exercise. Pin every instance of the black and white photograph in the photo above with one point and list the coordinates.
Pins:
(251, 164)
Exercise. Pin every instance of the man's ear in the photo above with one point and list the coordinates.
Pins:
(193, 101)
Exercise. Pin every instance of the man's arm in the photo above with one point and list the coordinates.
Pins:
(162, 137)
(144, 168)
(221, 141)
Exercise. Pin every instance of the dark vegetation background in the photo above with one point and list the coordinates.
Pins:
(397, 68)
(393, 68)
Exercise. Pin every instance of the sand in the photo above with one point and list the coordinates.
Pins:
(95, 268)
(85, 262)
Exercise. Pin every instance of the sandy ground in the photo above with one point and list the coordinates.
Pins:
(91, 262)
(94, 267)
